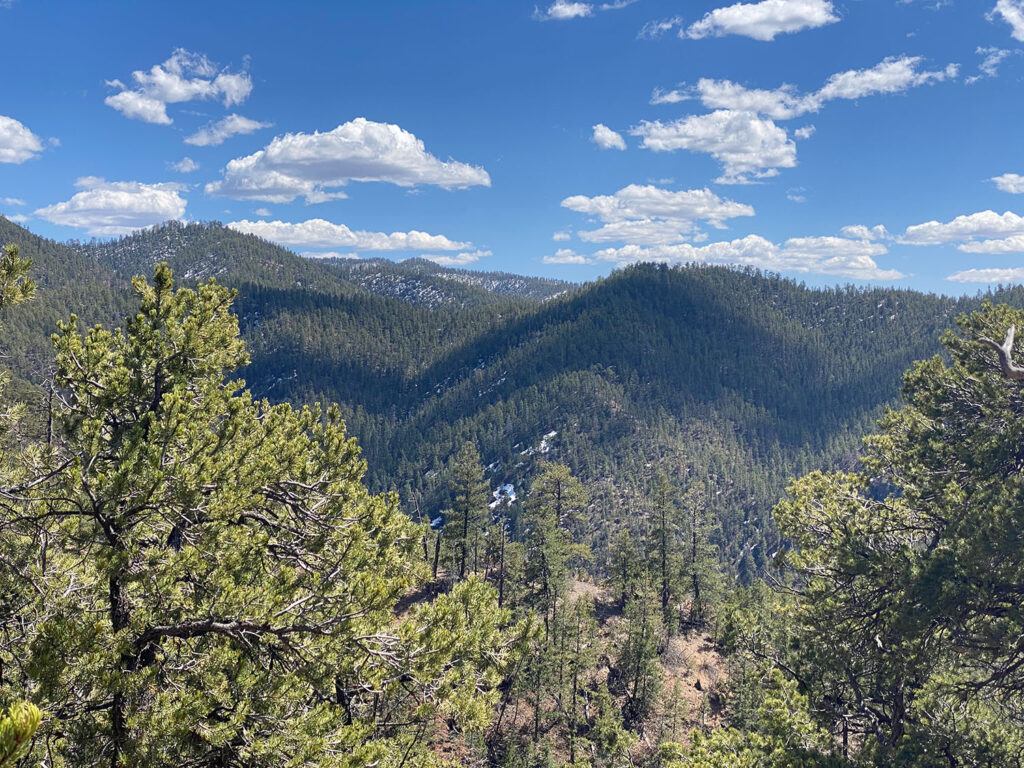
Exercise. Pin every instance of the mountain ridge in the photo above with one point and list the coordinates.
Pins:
(703, 370)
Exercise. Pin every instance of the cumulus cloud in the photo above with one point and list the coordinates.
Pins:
(17, 143)
(1010, 182)
(1011, 244)
(862, 232)
(561, 237)
(304, 164)
(319, 233)
(1012, 12)
(110, 208)
(649, 215)
(741, 132)
(217, 133)
(892, 75)
(566, 256)
(185, 76)
(635, 202)
(11, 201)
(982, 232)
(185, 165)
(990, 276)
(764, 20)
(606, 138)
(560, 10)
(458, 260)
(749, 147)
(807, 255)
(18, 218)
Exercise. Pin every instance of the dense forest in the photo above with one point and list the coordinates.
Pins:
(556, 537)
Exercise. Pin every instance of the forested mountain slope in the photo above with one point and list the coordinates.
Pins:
(424, 283)
(708, 372)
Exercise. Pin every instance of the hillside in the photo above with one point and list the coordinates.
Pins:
(736, 376)
(426, 284)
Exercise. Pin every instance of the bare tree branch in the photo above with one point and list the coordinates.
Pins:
(1005, 350)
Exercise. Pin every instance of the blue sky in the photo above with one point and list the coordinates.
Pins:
(851, 140)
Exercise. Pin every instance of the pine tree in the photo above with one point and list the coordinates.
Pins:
(217, 586)
(469, 508)
(640, 675)
(556, 502)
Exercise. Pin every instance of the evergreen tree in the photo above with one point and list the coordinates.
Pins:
(665, 564)
(552, 512)
(469, 510)
(214, 584)
(637, 664)
(908, 575)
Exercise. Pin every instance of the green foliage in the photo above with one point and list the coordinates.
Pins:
(639, 676)
(784, 736)
(907, 575)
(17, 727)
(15, 285)
(468, 520)
(553, 511)
(214, 583)
(650, 365)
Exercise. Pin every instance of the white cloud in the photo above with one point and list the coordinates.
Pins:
(892, 75)
(566, 256)
(606, 138)
(185, 76)
(648, 215)
(17, 143)
(991, 276)
(862, 232)
(458, 260)
(1012, 12)
(217, 133)
(967, 229)
(635, 202)
(797, 195)
(764, 20)
(11, 201)
(561, 10)
(782, 103)
(304, 164)
(676, 95)
(741, 132)
(1010, 182)
(1011, 244)
(655, 29)
(989, 66)
(319, 233)
(185, 165)
(110, 208)
(17, 218)
(262, 212)
(561, 237)
(808, 255)
(748, 147)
